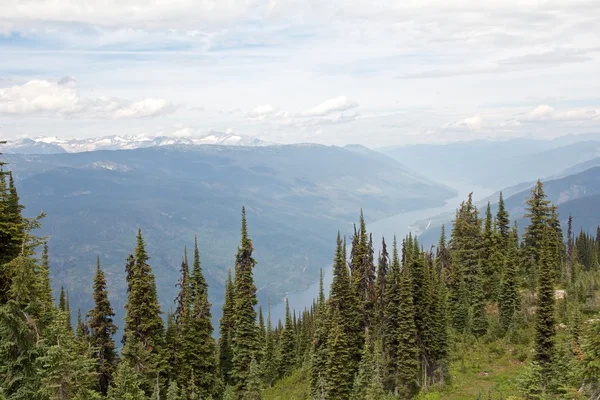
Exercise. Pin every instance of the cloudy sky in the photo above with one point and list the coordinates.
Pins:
(377, 72)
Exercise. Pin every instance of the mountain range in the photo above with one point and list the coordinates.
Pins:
(296, 197)
(55, 145)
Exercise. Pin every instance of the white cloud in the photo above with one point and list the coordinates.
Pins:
(267, 111)
(336, 104)
(544, 112)
(42, 97)
(472, 123)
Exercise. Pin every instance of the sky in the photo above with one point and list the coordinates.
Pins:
(374, 72)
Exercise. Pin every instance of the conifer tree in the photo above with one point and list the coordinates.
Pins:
(391, 333)
(319, 351)
(479, 322)
(502, 222)
(126, 385)
(173, 391)
(65, 373)
(227, 331)
(199, 345)
(144, 330)
(339, 374)
(538, 211)
(382, 271)
(366, 371)
(269, 367)
(19, 332)
(465, 246)
(509, 300)
(253, 389)
(245, 344)
(180, 327)
(545, 319)
(408, 351)
(288, 344)
(102, 328)
(45, 296)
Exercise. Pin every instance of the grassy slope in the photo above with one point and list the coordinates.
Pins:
(486, 368)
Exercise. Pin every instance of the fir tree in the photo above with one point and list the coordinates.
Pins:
(408, 351)
(173, 391)
(227, 331)
(391, 332)
(144, 330)
(245, 345)
(253, 389)
(269, 367)
(339, 375)
(545, 319)
(538, 210)
(509, 295)
(288, 344)
(382, 271)
(126, 385)
(45, 296)
(199, 345)
(102, 329)
(502, 222)
(65, 373)
(366, 372)
(479, 322)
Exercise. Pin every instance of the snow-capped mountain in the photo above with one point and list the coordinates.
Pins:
(51, 145)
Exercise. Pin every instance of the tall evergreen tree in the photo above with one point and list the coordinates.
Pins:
(339, 371)
(509, 300)
(502, 221)
(408, 351)
(46, 298)
(227, 324)
(391, 331)
(253, 389)
(288, 344)
(245, 345)
(144, 330)
(126, 385)
(538, 211)
(545, 329)
(65, 374)
(102, 328)
(199, 345)
(479, 322)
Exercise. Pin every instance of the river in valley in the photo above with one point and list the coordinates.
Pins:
(399, 225)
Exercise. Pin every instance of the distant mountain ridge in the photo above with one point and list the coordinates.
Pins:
(55, 145)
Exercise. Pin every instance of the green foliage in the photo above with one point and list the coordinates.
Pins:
(288, 344)
(102, 328)
(245, 343)
(126, 385)
(532, 383)
(254, 383)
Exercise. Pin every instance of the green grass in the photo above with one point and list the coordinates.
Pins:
(487, 369)
(293, 387)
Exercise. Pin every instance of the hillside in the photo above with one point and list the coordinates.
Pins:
(573, 194)
(296, 197)
(496, 165)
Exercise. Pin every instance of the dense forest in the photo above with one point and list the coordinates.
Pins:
(393, 325)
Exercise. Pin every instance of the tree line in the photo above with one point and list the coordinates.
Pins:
(389, 328)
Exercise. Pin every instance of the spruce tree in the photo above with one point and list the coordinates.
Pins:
(545, 330)
(408, 351)
(227, 331)
(269, 365)
(173, 391)
(288, 344)
(366, 372)
(254, 384)
(382, 271)
(102, 328)
(509, 300)
(199, 345)
(144, 331)
(126, 385)
(391, 333)
(502, 221)
(45, 296)
(65, 373)
(339, 371)
(245, 344)
(538, 211)
(479, 322)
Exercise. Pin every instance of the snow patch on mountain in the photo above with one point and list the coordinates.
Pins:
(54, 144)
